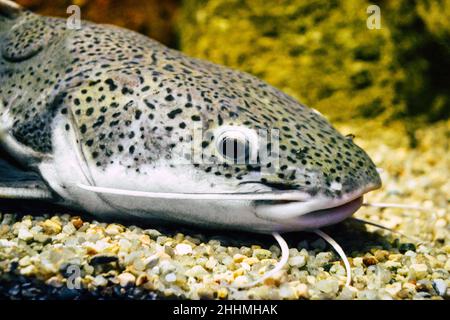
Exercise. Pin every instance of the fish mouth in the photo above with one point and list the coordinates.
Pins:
(317, 212)
(324, 217)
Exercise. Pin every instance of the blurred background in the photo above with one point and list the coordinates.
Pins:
(320, 51)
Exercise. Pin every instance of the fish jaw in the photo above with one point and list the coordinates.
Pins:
(321, 218)
(315, 213)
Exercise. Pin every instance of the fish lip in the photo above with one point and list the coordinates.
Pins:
(314, 213)
(321, 218)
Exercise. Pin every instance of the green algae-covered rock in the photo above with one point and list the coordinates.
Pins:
(322, 52)
(420, 31)
(435, 15)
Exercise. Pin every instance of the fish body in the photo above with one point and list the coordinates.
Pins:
(113, 123)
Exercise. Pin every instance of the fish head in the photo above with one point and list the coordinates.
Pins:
(305, 173)
(262, 160)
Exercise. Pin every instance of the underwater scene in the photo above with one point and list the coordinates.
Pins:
(225, 150)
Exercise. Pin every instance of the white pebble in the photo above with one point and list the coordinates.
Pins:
(25, 235)
(6, 243)
(197, 272)
(297, 261)
(394, 288)
(99, 281)
(25, 261)
(155, 270)
(286, 292)
(328, 285)
(367, 294)
(441, 286)
(420, 270)
(358, 261)
(151, 261)
(171, 277)
(124, 244)
(28, 270)
(126, 279)
(211, 263)
(440, 223)
(69, 229)
(347, 293)
(410, 253)
(245, 266)
(447, 265)
(182, 249)
(112, 230)
(240, 281)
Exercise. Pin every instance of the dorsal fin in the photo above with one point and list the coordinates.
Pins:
(10, 9)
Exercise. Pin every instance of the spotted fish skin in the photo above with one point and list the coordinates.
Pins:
(129, 102)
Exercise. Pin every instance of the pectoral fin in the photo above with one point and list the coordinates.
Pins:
(16, 183)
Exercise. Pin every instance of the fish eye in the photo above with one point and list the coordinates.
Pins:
(234, 146)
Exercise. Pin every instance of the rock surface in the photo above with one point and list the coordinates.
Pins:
(323, 53)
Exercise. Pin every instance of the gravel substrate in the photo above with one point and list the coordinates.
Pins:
(39, 254)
